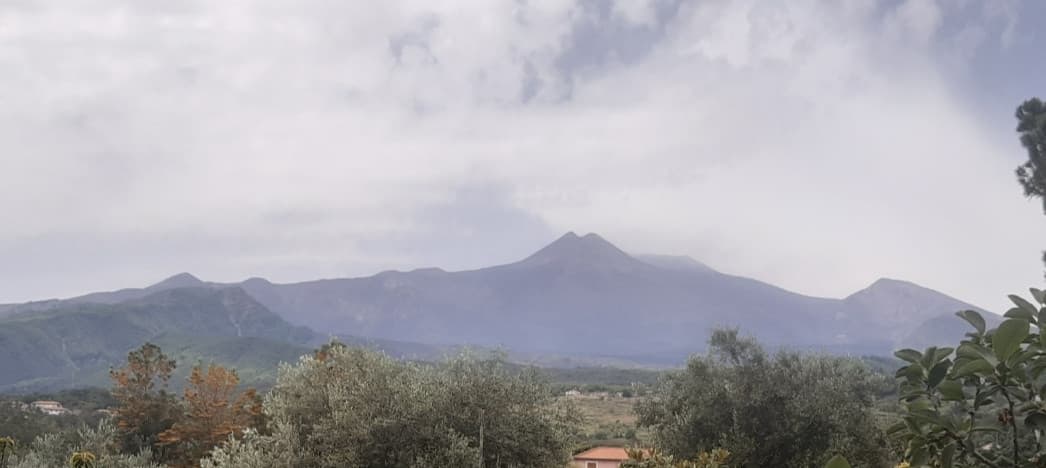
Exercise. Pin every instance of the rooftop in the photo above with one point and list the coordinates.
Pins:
(603, 453)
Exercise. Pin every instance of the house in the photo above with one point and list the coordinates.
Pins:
(600, 457)
(52, 408)
(573, 393)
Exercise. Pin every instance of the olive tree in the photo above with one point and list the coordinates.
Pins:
(783, 410)
(355, 407)
(87, 446)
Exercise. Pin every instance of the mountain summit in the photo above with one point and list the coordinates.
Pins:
(181, 280)
(589, 251)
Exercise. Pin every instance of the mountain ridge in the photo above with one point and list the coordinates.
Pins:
(582, 294)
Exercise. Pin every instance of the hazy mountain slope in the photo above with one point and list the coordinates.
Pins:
(579, 294)
(181, 280)
(79, 340)
(674, 262)
(577, 297)
(584, 295)
(908, 314)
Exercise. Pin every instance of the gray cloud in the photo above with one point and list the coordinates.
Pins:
(814, 144)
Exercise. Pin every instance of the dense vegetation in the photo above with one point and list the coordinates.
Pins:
(23, 426)
(353, 407)
(76, 344)
(785, 410)
(980, 403)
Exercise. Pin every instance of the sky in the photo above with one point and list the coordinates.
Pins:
(814, 144)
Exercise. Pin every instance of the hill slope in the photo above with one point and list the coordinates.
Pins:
(79, 341)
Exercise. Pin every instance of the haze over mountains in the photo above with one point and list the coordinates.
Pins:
(580, 295)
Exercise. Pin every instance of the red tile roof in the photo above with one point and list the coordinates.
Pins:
(603, 453)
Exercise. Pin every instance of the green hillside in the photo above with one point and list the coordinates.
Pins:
(75, 345)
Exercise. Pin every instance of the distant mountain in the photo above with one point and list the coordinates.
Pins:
(181, 280)
(77, 341)
(577, 295)
(581, 294)
(578, 300)
(908, 314)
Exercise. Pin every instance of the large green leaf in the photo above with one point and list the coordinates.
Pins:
(938, 372)
(1008, 337)
(976, 366)
(951, 390)
(969, 350)
(1024, 305)
(912, 372)
(974, 350)
(1020, 313)
(928, 355)
(1039, 295)
(973, 318)
(909, 355)
(942, 353)
(837, 462)
(1027, 354)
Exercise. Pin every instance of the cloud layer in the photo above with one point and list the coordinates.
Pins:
(813, 144)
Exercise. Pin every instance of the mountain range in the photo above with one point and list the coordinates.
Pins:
(578, 298)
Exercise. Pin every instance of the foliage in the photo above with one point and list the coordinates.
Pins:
(979, 404)
(715, 458)
(145, 408)
(786, 410)
(24, 424)
(214, 412)
(7, 449)
(73, 344)
(100, 442)
(354, 407)
(1031, 117)
(82, 460)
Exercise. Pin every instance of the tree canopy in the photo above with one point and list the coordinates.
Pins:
(144, 407)
(782, 410)
(1031, 118)
(355, 407)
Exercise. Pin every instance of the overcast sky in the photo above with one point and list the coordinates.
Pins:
(816, 145)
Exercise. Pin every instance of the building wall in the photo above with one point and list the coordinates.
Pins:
(599, 464)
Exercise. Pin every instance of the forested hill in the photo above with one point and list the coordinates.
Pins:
(75, 343)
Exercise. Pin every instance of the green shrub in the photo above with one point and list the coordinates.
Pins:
(979, 404)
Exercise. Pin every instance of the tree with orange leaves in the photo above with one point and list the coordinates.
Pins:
(145, 407)
(214, 412)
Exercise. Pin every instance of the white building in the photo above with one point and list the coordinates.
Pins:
(52, 408)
